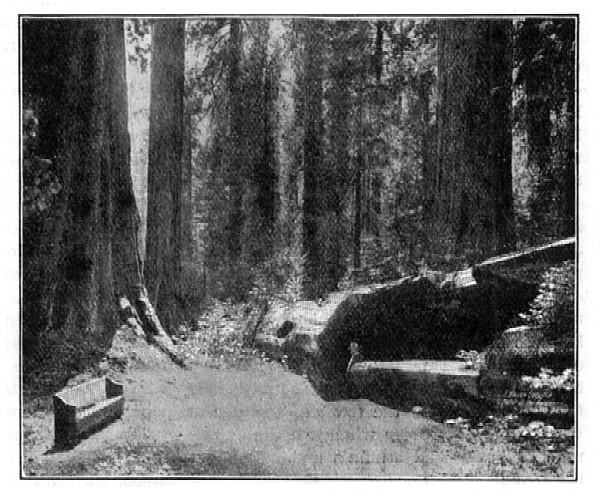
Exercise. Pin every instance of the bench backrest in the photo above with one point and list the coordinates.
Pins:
(85, 394)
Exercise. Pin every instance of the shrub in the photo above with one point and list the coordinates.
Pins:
(547, 337)
(40, 183)
(553, 310)
(546, 379)
(472, 359)
(282, 276)
(217, 338)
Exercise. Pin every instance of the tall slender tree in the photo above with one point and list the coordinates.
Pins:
(336, 167)
(313, 131)
(235, 166)
(165, 156)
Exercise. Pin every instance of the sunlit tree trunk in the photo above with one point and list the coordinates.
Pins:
(165, 157)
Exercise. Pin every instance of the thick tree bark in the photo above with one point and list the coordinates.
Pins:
(473, 190)
(165, 157)
(87, 252)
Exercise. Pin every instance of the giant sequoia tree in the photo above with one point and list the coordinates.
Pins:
(472, 191)
(164, 243)
(81, 252)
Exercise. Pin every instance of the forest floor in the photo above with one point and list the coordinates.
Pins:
(260, 419)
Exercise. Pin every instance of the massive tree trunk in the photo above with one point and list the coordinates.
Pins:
(84, 253)
(165, 154)
(473, 190)
(313, 131)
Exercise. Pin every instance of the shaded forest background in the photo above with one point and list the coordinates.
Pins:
(250, 159)
(326, 147)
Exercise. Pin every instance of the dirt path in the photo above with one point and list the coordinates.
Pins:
(262, 420)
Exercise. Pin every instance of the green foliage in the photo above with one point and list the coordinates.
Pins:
(553, 310)
(40, 183)
(473, 359)
(546, 379)
(218, 337)
(281, 277)
(545, 60)
(138, 42)
(545, 115)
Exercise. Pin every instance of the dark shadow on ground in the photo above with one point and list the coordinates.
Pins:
(152, 460)
(67, 446)
(452, 404)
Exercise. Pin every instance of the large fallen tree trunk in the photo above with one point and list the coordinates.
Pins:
(428, 319)
(420, 318)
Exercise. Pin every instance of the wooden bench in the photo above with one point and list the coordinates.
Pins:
(86, 407)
